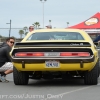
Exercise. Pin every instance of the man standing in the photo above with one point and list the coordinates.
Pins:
(31, 28)
(97, 39)
(6, 66)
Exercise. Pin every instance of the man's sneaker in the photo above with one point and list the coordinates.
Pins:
(3, 79)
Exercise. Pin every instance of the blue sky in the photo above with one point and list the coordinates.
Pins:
(26, 12)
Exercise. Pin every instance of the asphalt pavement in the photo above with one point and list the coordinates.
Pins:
(49, 90)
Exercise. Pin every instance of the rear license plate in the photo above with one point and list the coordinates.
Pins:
(52, 64)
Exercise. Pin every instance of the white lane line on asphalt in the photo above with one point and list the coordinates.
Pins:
(65, 93)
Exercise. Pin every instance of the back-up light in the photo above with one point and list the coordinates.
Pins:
(29, 54)
(78, 54)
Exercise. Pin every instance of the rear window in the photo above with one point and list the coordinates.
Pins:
(56, 36)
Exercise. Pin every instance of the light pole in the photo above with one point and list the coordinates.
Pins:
(10, 28)
(43, 1)
(67, 24)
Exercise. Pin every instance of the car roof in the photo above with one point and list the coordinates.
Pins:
(64, 30)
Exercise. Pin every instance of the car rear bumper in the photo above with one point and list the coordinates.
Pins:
(61, 59)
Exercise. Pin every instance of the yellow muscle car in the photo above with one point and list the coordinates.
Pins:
(55, 53)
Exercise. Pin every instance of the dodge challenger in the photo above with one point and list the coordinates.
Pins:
(55, 53)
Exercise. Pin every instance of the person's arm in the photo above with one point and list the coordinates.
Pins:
(7, 51)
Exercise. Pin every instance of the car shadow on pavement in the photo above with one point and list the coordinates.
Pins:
(57, 82)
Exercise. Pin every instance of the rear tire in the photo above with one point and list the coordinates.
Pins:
(98, 69)
(91, 77)
(20, 78)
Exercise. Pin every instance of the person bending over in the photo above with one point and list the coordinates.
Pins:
(6, 66)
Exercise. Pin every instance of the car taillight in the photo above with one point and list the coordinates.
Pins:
(29, 54)
(78, 54)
